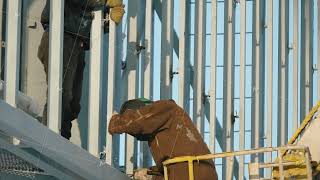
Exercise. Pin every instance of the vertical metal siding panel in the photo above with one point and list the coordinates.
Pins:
(184, 55)
(295, 63)
(95, 72)
(112, 48)
(306, 64)
(55, 65)
(270, 79)
(12, 51)
(131, 76)
(256, 84)
(283, 74)
(199, 64)
(228, 87)
(213, 77)
(242, 85)
(147, 71)
(166, 49)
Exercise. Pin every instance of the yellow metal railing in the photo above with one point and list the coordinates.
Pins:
(191, 159)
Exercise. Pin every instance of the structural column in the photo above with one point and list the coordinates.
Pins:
(213, 77)
(258, 61)
(295, 64)
(95, 72)
(147, 71)
(306, 60)
(112, 58)
(184, 55)
(12, 51)
(228, 86)
(283, 73)
(270, 77)
(55, 79)
(242, 85)
(166, 49)
(131, 74)
(199, 64)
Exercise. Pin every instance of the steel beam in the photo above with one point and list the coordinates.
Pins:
(166, 49)
(147, 72)
(53, 148)
(306, 60)
(228, 85)
(12, 51)
(270, 78)
(213, 77)
(199, 65)
(184, 56)
(295, 64)
(242, 85)
(131, 76)
(95, 84)
(283, 73)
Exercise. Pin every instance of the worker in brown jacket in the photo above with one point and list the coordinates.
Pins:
(170, 133)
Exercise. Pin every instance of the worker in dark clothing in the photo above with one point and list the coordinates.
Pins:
(77, 24)
(170, 133)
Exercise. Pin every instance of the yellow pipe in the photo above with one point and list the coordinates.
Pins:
(305, 122)
(165, 173)
(191, 175)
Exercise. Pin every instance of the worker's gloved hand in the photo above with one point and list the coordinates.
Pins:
(114, 3)
(116, 13)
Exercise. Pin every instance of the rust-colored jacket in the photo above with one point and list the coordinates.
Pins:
(170, 133)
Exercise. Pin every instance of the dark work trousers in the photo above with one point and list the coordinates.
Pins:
(73, 66)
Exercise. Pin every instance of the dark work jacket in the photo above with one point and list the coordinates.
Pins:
(77, 15)
(170, 133)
